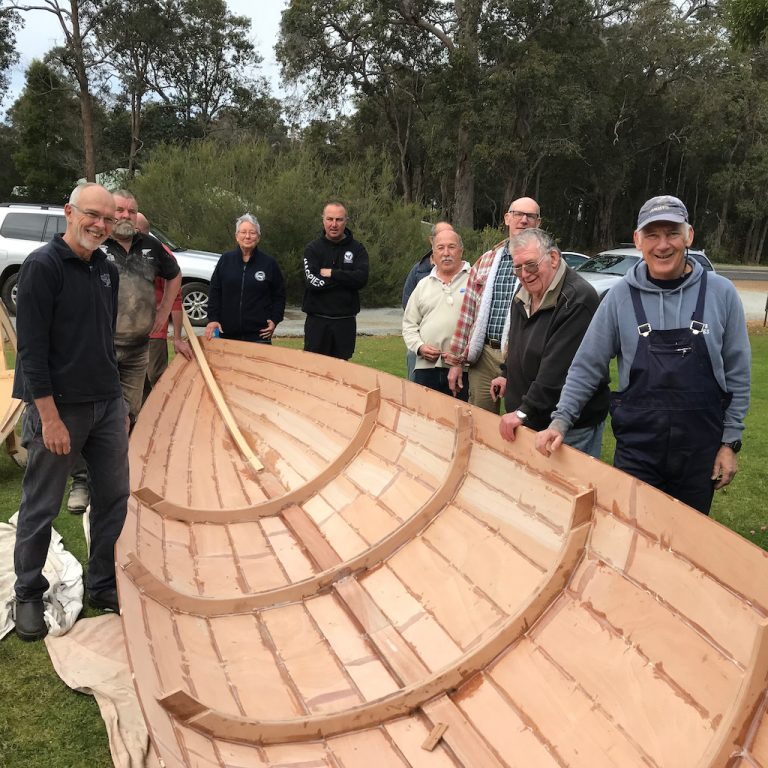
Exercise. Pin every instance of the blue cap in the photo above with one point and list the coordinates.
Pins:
(662, 208)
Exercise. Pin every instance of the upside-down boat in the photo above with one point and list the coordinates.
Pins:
(326, 565)
(10, 407)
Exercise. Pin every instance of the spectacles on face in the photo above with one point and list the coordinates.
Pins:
(520, 214)
(531, 267)
(108, 221)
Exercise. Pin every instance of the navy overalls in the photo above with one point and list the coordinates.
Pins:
(668, 422)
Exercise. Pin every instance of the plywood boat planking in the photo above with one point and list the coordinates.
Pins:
(399, 587)
(10, 408)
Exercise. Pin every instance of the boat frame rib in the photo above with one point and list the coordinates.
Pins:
(210, 722)
(171, 511)
(155, 588)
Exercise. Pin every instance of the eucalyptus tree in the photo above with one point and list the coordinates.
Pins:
(206, 57)
(9, 23)
(45, 120)
(76, 19)
(132, 35)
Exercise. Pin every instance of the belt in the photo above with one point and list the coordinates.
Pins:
(493, 343)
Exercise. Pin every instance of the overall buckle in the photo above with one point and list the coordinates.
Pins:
(644, 329)
(696, 327)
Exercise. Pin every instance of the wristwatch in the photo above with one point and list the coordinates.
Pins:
(521, 415)
(735, 446)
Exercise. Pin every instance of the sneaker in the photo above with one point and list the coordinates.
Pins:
(105, 600)
(30, 620)
(79, 498)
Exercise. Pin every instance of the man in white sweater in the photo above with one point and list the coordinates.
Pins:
(432, 312)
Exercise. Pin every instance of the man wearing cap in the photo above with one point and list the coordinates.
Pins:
(478, 335)
(680, 337)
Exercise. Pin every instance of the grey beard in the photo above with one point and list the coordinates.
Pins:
(124, 228)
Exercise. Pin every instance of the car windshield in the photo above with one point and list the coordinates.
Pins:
(165, 240)
(609, 264)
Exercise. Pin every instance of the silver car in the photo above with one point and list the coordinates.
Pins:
(607, 268)
(26, 226)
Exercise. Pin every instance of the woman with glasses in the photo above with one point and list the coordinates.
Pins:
(247, 294)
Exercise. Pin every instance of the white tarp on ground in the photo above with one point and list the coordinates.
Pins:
(64, 598)
(91, 658)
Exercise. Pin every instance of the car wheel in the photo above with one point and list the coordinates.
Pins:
(8, 293)
(194, 299)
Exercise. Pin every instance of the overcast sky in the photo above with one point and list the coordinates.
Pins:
(42, 31)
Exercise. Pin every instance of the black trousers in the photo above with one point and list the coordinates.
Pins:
(332, 336)
(437, 378)
(98, 431)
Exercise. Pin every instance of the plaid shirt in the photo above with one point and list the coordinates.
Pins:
(478, 275)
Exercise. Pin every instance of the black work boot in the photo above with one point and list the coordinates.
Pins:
(30, 620)
(104, 600)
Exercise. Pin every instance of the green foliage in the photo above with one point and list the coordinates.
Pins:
(747, 20)
(9, 23)
(286, 190)
(46, 120)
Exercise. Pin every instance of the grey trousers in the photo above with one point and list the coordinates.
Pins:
(98, 431)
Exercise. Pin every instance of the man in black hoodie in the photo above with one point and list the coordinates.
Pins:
(335, 269)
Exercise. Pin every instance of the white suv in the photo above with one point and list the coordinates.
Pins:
(24, 227)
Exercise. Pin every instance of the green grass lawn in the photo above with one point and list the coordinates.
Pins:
(44, 723)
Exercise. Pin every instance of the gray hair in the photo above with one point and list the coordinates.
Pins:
(126, 193)
(78, 190)
(251, 219)
(545, 242)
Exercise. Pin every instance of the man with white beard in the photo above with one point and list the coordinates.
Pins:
(139, 259)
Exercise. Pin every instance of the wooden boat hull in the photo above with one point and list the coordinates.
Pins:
(10, 408)
(396, 586)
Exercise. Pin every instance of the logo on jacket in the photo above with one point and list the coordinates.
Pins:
(260, 276)
(349, 257)
(105, 279)
(146, 253)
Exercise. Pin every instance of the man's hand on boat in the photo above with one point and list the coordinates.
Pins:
(548, 441)
(55, 432)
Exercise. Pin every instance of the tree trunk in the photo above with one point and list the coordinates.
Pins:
(136, 98)
(86, 105)
(761, 245)
(464, 198)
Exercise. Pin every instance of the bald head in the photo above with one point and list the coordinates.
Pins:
(142, 223)
(523, 213)
(441, 226)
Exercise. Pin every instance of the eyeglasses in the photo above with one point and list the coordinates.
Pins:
(531, 267)
(520, 214)
(108, 220)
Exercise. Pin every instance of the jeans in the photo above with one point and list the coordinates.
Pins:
(588, 440)
(98, 431)
(132, 364)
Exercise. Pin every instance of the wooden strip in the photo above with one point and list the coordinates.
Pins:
(224, 725)
(744, 708)
(274, 506)
(218, 398)
(335, 570)
(434, 737)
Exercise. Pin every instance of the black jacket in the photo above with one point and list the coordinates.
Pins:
(244, 295)
(541, 349)
(418, 272)
(337, 295)
(67, 310)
